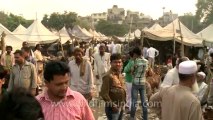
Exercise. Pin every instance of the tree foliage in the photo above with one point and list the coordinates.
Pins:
(191, 22)
(205, 11)
(12, 21)
(110, 29)
(56, 20)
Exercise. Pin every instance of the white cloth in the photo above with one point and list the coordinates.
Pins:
(129, 95)
(38, 55)
(151, 52)
(187, 67)
(200, 54)
(202, 90)
(171, 78)
(82, 84)
(118, 48)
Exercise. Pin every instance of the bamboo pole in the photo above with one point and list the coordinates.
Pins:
(181, 37)
(3, 48)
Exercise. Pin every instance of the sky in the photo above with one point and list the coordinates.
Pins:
(29, 9)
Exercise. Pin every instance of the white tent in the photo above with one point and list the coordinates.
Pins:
(156, 26)
(129, 36)
(137, 33)
(207, 36)
(64, 35)
(38, 33)
(80, 34)
(146, 28)
(172, 31)
(11, 39)
(20, 32)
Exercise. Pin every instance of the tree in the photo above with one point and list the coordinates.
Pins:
(3, 18)
(205, 11)
(191, 22)
(56, 20)
(110, 29)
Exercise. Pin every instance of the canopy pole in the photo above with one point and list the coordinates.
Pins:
(3, 48)
(173, 25)
(62, 49)
(181, 37)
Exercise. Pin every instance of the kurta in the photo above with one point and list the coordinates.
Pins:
(82, 84)
(101, 64)
(177, 103)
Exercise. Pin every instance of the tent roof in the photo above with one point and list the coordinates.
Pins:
(79, 33)
(207, 35)
(11, 39)
(64, 35)
(20, 32)
(38, 33)
(172, 31)
(156, 26)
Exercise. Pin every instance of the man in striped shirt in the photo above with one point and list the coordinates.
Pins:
(58, 101)
(138, 84)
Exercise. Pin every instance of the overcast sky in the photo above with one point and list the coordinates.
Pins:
(153, 8)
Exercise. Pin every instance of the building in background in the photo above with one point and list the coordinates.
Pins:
(96, 17)
(116, 15)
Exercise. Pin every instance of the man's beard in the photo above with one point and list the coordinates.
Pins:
(195, 87)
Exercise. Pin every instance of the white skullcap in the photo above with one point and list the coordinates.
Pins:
(187, 67)
(102, 44)
(202, 74)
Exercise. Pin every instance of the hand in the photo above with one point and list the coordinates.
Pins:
(97, 76)
(115, 108)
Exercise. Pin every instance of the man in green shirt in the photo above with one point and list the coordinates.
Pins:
(128, 79)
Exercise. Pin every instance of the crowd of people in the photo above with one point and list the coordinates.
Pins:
(31, 88)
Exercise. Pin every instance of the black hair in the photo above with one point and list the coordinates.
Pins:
(115, 56)
(184, 77)
(9, 47)
(3, 72)
(20, 104)
(137, 51)
(27, 49)
(182, 59)
(55, 68)
(130, 53)
(36, 47)
(19, 52)
(78, 50)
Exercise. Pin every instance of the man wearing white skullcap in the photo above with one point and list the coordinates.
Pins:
(178, 102)
(171, 77)
(101, 65)
(202, 87)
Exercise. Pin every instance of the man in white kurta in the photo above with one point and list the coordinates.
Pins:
(178, 102)
(82, 75)
(171, 77)
(202, 87)
(152, 53)
(101, 65)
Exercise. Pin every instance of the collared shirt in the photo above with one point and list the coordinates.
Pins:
(151, 52)
(171, 78)
(82, 84)
(72, 107)
(7, 60)
(127, 70)
(113, 88)
(25, 76)
(177, 103)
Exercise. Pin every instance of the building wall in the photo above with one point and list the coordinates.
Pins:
(116, 14)
(98, 16)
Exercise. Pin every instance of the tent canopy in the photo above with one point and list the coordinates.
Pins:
(64, 35)
(156, 26)
(20, 32)
(11, 39)
(38, 33)
(207, 36)
(80, 34)
(172, 31)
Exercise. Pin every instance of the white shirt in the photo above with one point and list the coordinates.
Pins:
(151, 52)
(202, 90)
(82, 84)
(171, 78)
(101, 63)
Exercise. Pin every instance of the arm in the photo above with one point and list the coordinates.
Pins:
(33, 79)
(2, 59)
(95, 66)
(157, 52)
(90, 76)
(167, 81)
(105, 89)
(195, 112)
(128, 67)
(86, 111)
(11, 81)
